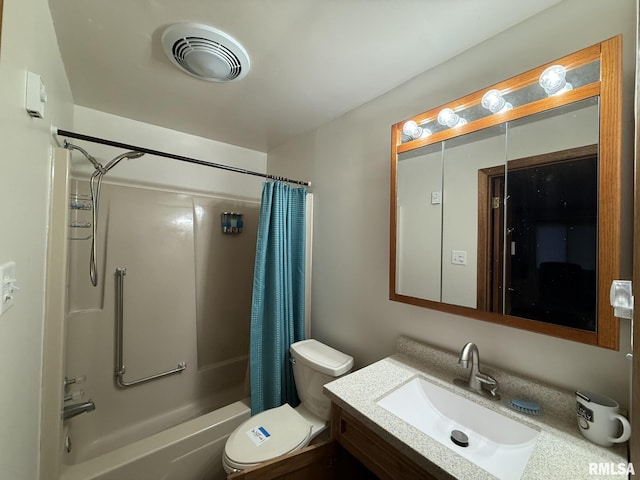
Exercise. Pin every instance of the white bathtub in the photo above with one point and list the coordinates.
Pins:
(189, 451)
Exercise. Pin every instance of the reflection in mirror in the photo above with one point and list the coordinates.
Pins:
(419, 208)
(463, 157)
(505, 203)
(552, 216)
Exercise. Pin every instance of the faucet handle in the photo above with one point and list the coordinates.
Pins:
(74, 396)
(70, 381)
(489, 382)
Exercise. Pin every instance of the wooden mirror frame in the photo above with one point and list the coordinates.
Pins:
(609, 89)
(1, 10)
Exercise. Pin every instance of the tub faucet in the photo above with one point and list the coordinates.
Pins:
(479, 382)
(71, 411)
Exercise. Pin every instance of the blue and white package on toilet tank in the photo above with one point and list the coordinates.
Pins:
(258, 435)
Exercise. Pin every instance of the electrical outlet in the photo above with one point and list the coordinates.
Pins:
(7, 286)
(458, 257)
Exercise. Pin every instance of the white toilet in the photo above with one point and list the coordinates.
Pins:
(282, 430)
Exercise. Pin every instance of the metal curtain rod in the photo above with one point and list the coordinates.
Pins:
(111, 143)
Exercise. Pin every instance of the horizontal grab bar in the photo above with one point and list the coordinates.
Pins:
(120, 368)
(119, 374)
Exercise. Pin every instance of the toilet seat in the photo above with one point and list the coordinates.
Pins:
(267, 435)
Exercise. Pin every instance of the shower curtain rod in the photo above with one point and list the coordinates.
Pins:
(111, 143)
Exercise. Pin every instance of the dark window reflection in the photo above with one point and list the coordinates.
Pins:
(551, 243)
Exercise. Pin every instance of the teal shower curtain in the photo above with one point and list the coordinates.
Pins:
(277, 308)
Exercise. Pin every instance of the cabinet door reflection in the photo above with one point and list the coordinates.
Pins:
(550, 259)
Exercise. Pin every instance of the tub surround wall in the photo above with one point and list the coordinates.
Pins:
(187, 298)
(348, 162)
(172, 177)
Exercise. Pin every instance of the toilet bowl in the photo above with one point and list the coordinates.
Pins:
(283, 429)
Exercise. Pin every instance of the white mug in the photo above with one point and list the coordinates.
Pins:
(599, 419)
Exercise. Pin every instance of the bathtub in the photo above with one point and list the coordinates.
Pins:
(189, 451)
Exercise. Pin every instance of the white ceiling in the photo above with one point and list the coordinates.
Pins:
(311, 60)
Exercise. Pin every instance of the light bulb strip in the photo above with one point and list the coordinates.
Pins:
(428, 120)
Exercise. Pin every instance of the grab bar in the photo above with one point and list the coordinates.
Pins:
(120, 368)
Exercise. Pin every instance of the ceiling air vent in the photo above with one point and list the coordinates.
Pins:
(205, 52)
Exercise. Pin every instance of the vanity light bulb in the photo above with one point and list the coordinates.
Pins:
(425, 133)
(495, 102)
(553, 80)
(412, 130)
(448, 118)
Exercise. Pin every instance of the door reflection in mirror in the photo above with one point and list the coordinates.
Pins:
(552, 216)
(551, 237)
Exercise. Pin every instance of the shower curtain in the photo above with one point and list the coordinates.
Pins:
(278, 303)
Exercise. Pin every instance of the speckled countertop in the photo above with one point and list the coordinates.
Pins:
(561, 452)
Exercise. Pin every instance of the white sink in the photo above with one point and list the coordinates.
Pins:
(496, 443)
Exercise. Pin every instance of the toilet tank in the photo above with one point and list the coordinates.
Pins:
(315, 364)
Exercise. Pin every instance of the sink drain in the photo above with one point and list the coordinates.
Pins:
(459, 438)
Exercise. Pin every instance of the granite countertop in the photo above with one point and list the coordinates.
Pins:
(561, 452)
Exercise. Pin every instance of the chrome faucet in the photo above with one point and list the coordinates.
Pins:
(71, 411)
(478, 382)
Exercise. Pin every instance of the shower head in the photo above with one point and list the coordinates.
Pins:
(127, 155)
(95, 163)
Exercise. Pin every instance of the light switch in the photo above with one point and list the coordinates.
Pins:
(436, 198)
(7, 286)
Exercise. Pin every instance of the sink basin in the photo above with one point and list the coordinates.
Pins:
(493, 442)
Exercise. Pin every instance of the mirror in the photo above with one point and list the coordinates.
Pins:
(505, 203)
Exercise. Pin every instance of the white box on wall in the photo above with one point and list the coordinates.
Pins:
(36, 95)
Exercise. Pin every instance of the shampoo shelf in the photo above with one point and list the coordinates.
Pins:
(75, 205)
(80, 224)
(80, 215)
(80, 202)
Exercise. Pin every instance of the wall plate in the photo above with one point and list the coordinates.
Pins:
(7, 286)
(458, 257)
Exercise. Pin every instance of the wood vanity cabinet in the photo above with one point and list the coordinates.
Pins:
(353, 452)
(374, 452)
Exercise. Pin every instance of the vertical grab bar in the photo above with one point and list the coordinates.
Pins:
(120, 368)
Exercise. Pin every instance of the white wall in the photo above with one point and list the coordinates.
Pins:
(462, 161)
(164, 172)
(28, 43)
(419, 244)
(348, 162)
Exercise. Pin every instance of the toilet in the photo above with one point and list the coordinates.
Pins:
(284, 429)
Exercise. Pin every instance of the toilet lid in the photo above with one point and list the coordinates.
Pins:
(267, 435)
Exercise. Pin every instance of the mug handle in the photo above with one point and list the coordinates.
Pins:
(626, 429)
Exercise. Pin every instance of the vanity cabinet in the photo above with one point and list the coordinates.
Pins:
(354, 451)
(375, 453)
